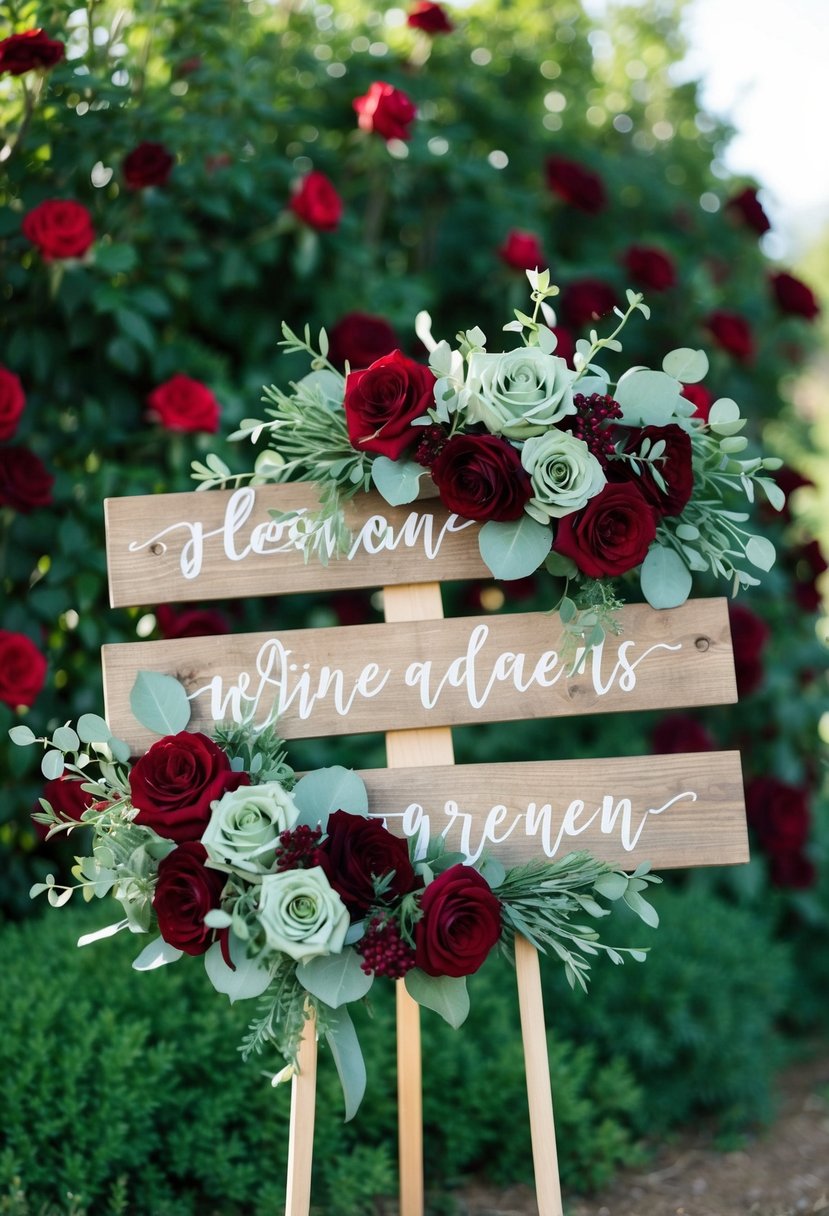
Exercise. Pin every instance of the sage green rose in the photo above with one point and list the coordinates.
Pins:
(301, 915)
(564, 473)
(520, 393)
(245, 826)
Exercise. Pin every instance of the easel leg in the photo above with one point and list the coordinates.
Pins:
(539, 1093)
(410, 1104)
(301, 1136)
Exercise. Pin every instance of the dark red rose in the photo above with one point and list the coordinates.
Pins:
(186, 891)
(789, 480)
(317, 203)
(675, 468)
(149, 164)
(522, 251)
(351, 607)
(60, 228)
(184, 404)
(649, 267)
(357, 850)
(174, 783)
(21, 53)
(22, 669)
(611, 534)
(793, 296)
(731, 332)
(748, 207)
(189, 622)
(749, 634)
(382, 401)
(809, 564)
(461, 923)
(25, 482)
(565, 345)
(779, 814)
(792, 870)
(575, 184)
(64, 796)
(12, 402)
(361, 339)
(681, 733)
(386, 110)
(430, 18)
(586, 301)
(700, 397)
(481, 477)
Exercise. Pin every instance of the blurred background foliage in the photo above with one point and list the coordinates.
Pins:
(536, 128)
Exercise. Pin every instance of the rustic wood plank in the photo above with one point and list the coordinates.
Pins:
(301, 1126)
(431, 673)
(203, 546)
(676, 810)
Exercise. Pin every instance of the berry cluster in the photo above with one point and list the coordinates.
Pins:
(298, 848)
(430, 445)
(590, 421)
(383, 949)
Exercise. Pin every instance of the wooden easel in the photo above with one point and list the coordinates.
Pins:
(200, 546)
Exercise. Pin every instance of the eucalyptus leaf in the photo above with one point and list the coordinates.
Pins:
(514, 549)
(119, 749)
(325, 790)
(93, 729)
(66, 739)
(22, 736)
(773, 492)
(158, 954)
(397, 480)
(611, 886)
(647, 398)
(445, 994)
(760, 552)
(109, 931)
(159, 702)
(335, 979)
(642, 908)
(344, 1045)
(247, 981)
(52, 765)
(689, 366)
(665, 578)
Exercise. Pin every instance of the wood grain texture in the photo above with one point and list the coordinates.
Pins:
(537, 1069)
(301, 1127)
(234, 544)
(610, 807)
(469, 670)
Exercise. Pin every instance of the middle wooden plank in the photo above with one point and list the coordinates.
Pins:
(322, 682)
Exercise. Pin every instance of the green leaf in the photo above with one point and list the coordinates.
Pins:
(335, 979)
(52, 766)
(514, 549)
(689, 366)
(159, 703)
(642, 908)
(342, 1040)
(665, 579)
(445, 994)
(115, 258)
(320, 793)
(560, 566)
(93, 729)
(22, 736)
(724, 417)
(773, 492)
(158, 954)
(249, 980)
(647, 398)
(611, 886)
(397, 480)
(119, 749)
(135, 326)
(761, 552)
(65, 739)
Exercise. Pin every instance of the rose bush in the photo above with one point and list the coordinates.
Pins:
(25, 482)
(59, 228)
(22, 669)
(12, 402)
(184, 404)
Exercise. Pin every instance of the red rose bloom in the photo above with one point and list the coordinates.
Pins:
(357, 850)
(731, 332)
(430, 18)
(22, 669)
(779, 814)
(189, 622)
(748, 207)
(60, 228)
(148, 165)
(675, 468)
(186, 891)
(700, 397)
(793, 296)
(680, 733)
(586, 301)
(386, 110)
(21, 53)
(749, 634)
(461, 923)
(522, 251)
(611, 534)
(792, 870)
(565, 345)
(184, 404)
(66, 797)
(650, 267)
(317, 203)
(12, 401)
(481, 477)
(25, 482)
(360, 339)
(174, 783)
(382, 401)
(575, 184)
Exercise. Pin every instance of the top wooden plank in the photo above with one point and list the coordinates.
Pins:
(222, 544)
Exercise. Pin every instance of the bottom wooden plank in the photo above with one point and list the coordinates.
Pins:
(677, 810)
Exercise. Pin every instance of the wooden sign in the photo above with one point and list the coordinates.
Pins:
(214, 545)
(677, 810)
(318, 682)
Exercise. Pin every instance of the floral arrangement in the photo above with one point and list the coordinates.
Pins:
(289, 889)
(566, 469)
